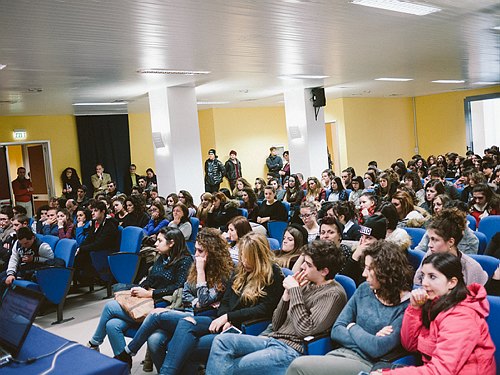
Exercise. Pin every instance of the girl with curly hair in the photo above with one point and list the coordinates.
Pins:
(202, 292)
(368, 328)
(253, 292)
(70, 183)
(445, 231)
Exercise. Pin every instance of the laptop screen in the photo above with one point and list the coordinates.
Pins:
(18, 311)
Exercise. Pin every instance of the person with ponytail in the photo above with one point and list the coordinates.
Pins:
(445, 231)
(446, 323)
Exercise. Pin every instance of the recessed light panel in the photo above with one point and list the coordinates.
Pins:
(172, 72)
(398, 6)
(394, 79)
(448, 81)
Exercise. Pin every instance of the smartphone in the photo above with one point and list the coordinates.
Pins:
(232, 330)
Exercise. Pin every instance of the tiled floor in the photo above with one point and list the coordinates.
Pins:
(85, 309)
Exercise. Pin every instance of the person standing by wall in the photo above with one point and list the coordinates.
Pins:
(285, 170)
(214, 172)
(233, 169)
(274, 163)
(23, 191)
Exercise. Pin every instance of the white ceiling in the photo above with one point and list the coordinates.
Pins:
(90, 50)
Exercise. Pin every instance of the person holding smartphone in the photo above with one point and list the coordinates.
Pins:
(311, 302)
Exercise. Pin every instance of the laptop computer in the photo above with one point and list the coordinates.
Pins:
(18, 310)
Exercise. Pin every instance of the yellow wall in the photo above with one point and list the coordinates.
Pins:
(441, 121)
(141, 142)
(207, 131)
(60, 131)
(248, 131)
(15, 160)
(372, 129)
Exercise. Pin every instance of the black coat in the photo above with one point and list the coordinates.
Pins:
(104, 238)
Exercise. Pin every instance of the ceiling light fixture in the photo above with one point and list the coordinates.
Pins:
(485, 83)
(497, 28)
(303, 76)
(173, 72)
(394, 79)
(398, 6)
(94, 104)
(2, 66)
(449, 81)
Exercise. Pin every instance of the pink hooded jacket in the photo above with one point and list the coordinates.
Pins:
(457, 342)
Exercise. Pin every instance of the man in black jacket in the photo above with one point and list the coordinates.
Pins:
(103, 236)
(233, 169)
(274, 163)
(214, 172)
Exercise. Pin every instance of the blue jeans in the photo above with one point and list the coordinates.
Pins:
(247, 355)
(114, 322)
(190, 345)
(157, 329)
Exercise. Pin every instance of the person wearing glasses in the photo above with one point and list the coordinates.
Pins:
(308, 214)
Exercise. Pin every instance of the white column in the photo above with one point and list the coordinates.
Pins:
(306, 134)
(176, 138)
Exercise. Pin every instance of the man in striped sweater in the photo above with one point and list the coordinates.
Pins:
(310, 304)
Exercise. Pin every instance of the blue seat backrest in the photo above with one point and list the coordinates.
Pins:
(131, 239)
(471, 220)
(489, 225)
(416, 235)
(66, 249)
(348, 284)
(488, 263)
(493, 321)
(286, 271)
(276, 230)
(51, 240)
(274, 244)
(195, 225)
(415, 257)
(483, 242)
(287, 206)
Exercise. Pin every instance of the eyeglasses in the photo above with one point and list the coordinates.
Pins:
(305, 216)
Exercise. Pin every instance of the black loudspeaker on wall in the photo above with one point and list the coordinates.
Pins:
(318, 97)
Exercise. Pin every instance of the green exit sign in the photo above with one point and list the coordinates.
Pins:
(19, 134)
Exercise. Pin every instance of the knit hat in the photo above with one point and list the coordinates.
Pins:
(375, 226)
(212, 151)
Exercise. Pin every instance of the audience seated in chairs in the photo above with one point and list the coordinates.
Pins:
(309, 215)
(202, 291)
(119, 210)
(7, 235)
(223, 210)
(102, 236)
(253, 292)
(50, 225)
(314, 191)
(83, 222)
(368, 328)
(168, 274)
(346, 214)
(186, 198)
(311, 302)
(157, 221)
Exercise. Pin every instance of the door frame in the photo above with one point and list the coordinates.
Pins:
(48, 163)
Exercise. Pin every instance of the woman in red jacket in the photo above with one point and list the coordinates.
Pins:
(446, 323)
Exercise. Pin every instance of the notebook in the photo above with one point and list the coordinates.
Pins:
(18, 310)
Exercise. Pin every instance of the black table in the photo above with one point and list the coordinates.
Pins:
(77, 360)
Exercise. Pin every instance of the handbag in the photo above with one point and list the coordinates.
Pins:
(135, 307)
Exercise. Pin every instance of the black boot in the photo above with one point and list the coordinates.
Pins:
(125, 357)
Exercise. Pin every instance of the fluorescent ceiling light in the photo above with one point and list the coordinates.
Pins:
(448, 81)
(485, 83)
(110, 103)
(394, 79)
(211, 103)
(398, 6)
(2, 66)
(303, 76)
(496, 27)
(173, 72)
